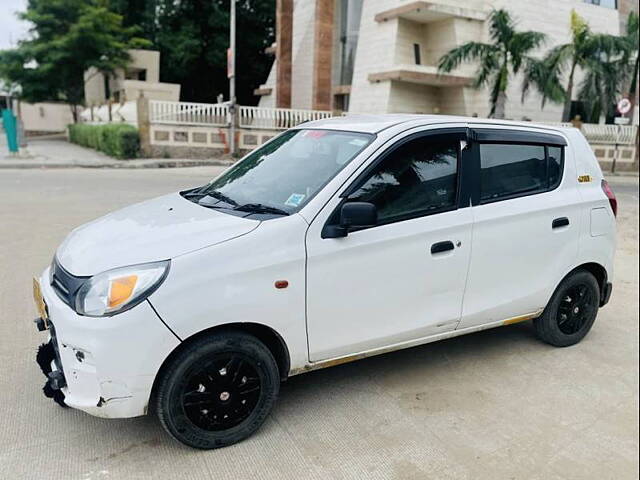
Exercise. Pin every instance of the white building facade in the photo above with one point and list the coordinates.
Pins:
(383, 54)
(142, 75)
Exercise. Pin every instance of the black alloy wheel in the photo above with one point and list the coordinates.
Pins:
(571, 311)
(216, 390)
(222, 392)
(576, 308)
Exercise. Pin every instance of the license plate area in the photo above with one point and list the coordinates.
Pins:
(41, 305)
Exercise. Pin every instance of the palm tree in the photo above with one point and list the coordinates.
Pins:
(588, 51)
(631, 56)
(601, 85)
(505, 55)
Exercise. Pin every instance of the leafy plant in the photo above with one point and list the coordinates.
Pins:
(67, 37)
(192, 37)
(589, 51)
(506, 55)
(119, 140)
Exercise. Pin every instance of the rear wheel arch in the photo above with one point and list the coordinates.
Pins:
(267, 335)
(595, 269)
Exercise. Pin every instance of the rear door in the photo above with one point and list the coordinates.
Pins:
(526, 212)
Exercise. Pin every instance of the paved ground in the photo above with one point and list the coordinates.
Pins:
(493, 405)
(53, 151)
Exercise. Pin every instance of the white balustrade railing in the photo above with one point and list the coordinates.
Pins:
(557, 124)
(600, 133)
(188, 113)
(277, 118)
(210, 114)
(620, 134)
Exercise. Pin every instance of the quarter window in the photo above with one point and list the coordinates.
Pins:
(555, 166)
(509, 170)
(418, 178)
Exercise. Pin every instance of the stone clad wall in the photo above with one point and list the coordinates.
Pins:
(185, 141)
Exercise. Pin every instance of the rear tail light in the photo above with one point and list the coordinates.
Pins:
(611, 196)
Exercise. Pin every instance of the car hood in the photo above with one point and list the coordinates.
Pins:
(157, 229)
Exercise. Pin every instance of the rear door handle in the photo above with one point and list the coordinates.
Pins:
(560, 222)
(441, 247)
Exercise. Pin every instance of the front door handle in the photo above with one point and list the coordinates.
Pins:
(560, 222)
(441, 247)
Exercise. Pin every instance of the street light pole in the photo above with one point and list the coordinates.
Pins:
(231, 73)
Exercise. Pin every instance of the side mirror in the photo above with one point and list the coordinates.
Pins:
(352, 215)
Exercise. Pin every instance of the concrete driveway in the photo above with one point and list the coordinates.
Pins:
(493, 405)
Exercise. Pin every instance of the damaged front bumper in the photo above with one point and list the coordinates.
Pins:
(103, 366)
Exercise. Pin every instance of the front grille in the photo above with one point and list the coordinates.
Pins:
(65, 284)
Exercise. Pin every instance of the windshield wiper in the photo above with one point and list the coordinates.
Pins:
(222, 196)
(261, 208)
(195, 192)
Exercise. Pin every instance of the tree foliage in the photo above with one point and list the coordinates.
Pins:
(611, 73)
(506, 55)
(66, 38)
(193, 36)
(595, 54)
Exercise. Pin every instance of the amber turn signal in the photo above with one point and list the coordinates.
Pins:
(121, 289)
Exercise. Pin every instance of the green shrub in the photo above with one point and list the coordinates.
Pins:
(119, 140)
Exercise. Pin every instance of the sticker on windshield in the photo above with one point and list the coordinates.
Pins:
(314, 133)
(358, 142)
(295, 199)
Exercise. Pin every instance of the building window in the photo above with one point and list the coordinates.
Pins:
(416, 53)
(341, 102)
(350, 13)
(604, 3)
(136, 74)
(107, 87)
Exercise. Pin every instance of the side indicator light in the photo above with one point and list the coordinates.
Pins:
(281, 284)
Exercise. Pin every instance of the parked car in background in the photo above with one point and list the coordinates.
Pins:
(337, 240)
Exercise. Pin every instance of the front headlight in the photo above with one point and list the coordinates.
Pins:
(120, 289)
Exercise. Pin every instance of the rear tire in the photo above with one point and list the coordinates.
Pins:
(218, 390)
(571, 312)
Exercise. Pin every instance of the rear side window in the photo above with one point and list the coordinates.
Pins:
(514, 170)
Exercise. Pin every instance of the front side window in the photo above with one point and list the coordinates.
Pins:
(286, 173)
(417, 178)
(513, 170)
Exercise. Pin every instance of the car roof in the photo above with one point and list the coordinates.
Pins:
(368, 123)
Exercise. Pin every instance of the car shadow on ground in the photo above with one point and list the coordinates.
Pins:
(313, 389)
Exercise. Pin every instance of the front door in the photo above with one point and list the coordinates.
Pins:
(404, 278)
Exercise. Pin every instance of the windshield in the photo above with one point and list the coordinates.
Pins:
(283, 175)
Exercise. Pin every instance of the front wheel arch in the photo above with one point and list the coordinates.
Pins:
(268, 336)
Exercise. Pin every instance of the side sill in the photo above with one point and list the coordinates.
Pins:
(332, 362)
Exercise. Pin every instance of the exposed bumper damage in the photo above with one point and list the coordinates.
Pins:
(104, 367)
(48, 359)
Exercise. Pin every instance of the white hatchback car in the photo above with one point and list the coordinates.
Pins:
(336, 240)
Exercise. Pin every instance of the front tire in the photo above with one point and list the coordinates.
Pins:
(218, 390)
(571, 311)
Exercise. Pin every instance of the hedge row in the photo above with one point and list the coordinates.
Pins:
(118, 140)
